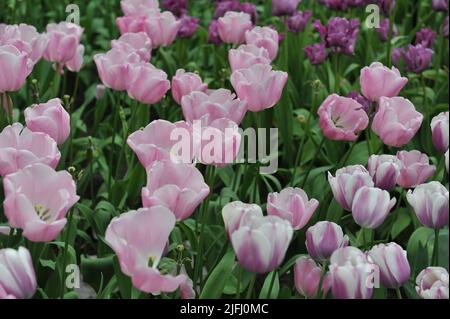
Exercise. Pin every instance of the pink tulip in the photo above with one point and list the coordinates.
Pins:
(430, 203)
(25, 38)
(177, 186)
(213, 105)
(342, 118)
(264, 37)
(20, 147)
(259, 85)
(156, 142)
(15, 66)
(76, 62)
(440, 131)
(131, 24)
(237, 213)
(184, 83)
(293, 205)
(396, 121)
(393, 264)
(246, 55)
(138, 7)
(64, 39)
(233, 25)
(432, 283)
(384, 170)
(147, 84)
(379, 81)
(17, 275)
(371, 206)
(161, 28)
(415, 168)
(347, 182)
(114, 68)
(138, 43)
(323, 239)
(37, 200)
(139, 239)
(307, 277)
(261, 243)
(350, 274)
(50, 118)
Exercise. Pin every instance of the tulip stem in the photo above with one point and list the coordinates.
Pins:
(66, 248)
(250, 287)
(398, 292)
(113, 141)
(322, 277)
(435, 257)
(319, 148)
(238, 285)
(272, 283)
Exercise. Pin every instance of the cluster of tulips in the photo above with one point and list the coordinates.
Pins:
(39, 200)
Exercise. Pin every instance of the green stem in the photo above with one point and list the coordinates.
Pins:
(238, 285)
(312, 162)
(250, 287)
(322, 277)
(66, 248)
(113, 142)
(398, 292)
(435, 257)
(337, 83)
(272, 283)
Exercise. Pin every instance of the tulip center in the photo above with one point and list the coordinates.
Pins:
(151, 261)
(42, 212)
(336, 122)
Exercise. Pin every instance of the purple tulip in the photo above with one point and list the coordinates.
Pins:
(213, 33)
(339, 34)
(425, 37)
(188, 26)
(323, 239)
(360, 99)
(383, 30)
(225, 6)
(384, 170)
(316, 53)
(297, 22)
(177, 7)
(335, 4)
(417, 58)
(440, 5)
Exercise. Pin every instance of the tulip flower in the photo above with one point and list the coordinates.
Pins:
(297, 22)
(339, 34)
(177, 186)
(284, 7)
(20, 147)
(393, 264)
(264, 37)
(350, 274)
(224, 6)
(425, 37)
(396, 121)
(316, 53)
(342, 118)
(440, 131)
(189, 25)
(383, 30)
(50, 118)
(177, 7)
(378, 81)
(307, 277)
(114, 68)
(365, 103)
(138, 43)
(213, 33)
(430, 203)
(15, 66)
(139, 239)
(64, 40)
(432, 283)
(161, 28)
(37, 199)
(232, 27)
(237, 213)
(260, 244)
(384, 170)
(131, 24)
(156, 142)
(415, 168)
(17, 275)
(138, 7)
(293, 205)
(259, 86)
(347, 182)
(75, 64)
(371, 206)
(440, 5)
(323, 239)
(183, 83)
(246, 55)
(213, 105)
(417, 58)
(147, 84)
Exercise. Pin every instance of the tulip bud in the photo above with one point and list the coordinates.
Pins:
(432, 283)
(384, 170)
(440, 131)
(183, 83)
(233, 25)
(236, 213)
(415, 168)
(323, 239)
(264, 37)
(307, 276)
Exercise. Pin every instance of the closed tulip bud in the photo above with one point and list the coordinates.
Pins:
(430, 203)
(233, 25)
(378, 81)
(393, 264)
(396, 121)
(293, 205)
(259, 85)
(162, 28)
(347, 182)
(64, 40)
(350, 274)
(148, 84)
(432, 283)
(41, 215)
(323, 239)
(246, 55)
(371, 206)
(264, 37)
(261, 243)
(50, 118)
(415, 168)
(236, 213)
(342, 118)
(183, 83)
(307, 276)
(440, 131)
(17, 275)
(15, 66)
(138, 43)
(384, 170)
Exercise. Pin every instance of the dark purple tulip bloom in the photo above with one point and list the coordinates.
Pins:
(250, 9)
(335, 4)
(445, 27)
(384, 5)
(383, 30)
(298, 21)
(225, 6)
(339, 34)
(213, 33)
(440, 5)
(360, 99)
(356, 3)
(188, 26)
(284, 7)
(425, 37)
(177, 7)
(417, 58)
(316, 53)
(396, 55)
